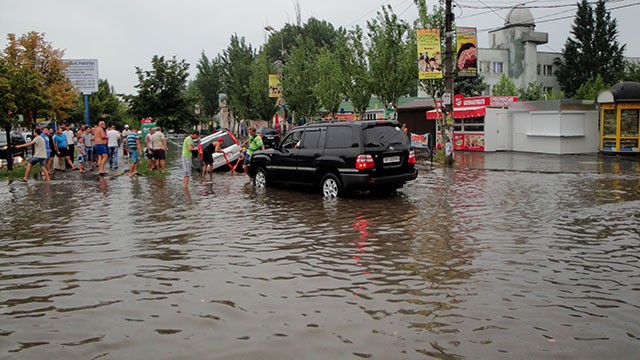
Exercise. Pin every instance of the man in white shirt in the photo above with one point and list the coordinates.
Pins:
(71, 143)
(113, 138)
(125, 148)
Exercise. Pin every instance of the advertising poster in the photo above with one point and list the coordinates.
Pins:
(429, 54)
(275, 88)
(467, 60)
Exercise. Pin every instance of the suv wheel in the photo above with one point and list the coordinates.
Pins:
(261, 179)
(331, 186)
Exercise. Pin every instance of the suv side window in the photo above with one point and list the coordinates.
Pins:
(311, 139)
(339, 137)
(292, 140)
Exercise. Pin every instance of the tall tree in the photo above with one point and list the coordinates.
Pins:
(262, 106)
(208, 83)
(162, 94)
(330, 77)
(355, 84)
(392, 61)
(300, 77)
(37, 80)
(593, 50)
(236, 69)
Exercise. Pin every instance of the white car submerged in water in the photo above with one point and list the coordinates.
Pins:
(230, 146)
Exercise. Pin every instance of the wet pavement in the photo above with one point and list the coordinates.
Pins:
(504, 255)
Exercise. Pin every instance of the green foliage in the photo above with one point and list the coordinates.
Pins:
(330, 78)
(300, 77)
(208, 83)
(632, 71)
(355, 85)
(7, 105)
(262, 106)
(236, 69)
(104, 105)
(594, 49)
(533, 92)
(469, 85)
(591, 89)
(554, 95)
(392, 57)
(33, 78)
(162, 94)
(505, 87)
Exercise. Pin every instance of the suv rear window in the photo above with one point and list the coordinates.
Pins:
(339, 137)
(384, 135)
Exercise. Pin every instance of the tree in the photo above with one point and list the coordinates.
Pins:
(391, 58)
(532, 92)
(632, 71)
(35, 78)
(593, 50)
(505, 87)
(208, 83)
(162, 94)
(105, 105)
(591, 89)
(330, 78)
(469, 85)
(262, 106)
(355, 82)
(299, 78)
(236, 69)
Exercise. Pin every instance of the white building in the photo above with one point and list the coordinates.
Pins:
(514, 51)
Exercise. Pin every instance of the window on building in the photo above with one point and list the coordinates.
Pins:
(538, 70)
(497, 67)
(548, 70)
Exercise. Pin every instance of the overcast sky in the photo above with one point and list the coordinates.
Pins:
(123, 34)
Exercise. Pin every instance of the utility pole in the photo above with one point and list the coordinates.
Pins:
(448, 82)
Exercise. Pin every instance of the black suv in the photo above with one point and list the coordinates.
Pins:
(270, 137)
(339, 157)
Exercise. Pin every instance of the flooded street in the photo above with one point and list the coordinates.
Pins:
(512, 256)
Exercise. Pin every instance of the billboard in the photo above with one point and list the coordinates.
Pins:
(429, 54)
(83, 74)
(275, 88)
(467, 43)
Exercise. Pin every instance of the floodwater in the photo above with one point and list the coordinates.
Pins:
(511, 256)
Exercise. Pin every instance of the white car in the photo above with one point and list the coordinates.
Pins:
(230, 146)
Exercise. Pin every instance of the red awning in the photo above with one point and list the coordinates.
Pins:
(460, 112)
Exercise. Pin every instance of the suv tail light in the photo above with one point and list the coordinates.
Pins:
(364, 162)
(412, 157)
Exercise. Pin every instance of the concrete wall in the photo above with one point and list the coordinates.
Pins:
(555, 132)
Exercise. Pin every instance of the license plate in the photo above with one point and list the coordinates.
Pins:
(391, 159)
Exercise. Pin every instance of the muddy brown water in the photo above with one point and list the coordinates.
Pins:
(502, 256)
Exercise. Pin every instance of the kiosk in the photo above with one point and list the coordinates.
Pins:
(469, 120)
(619, 117)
